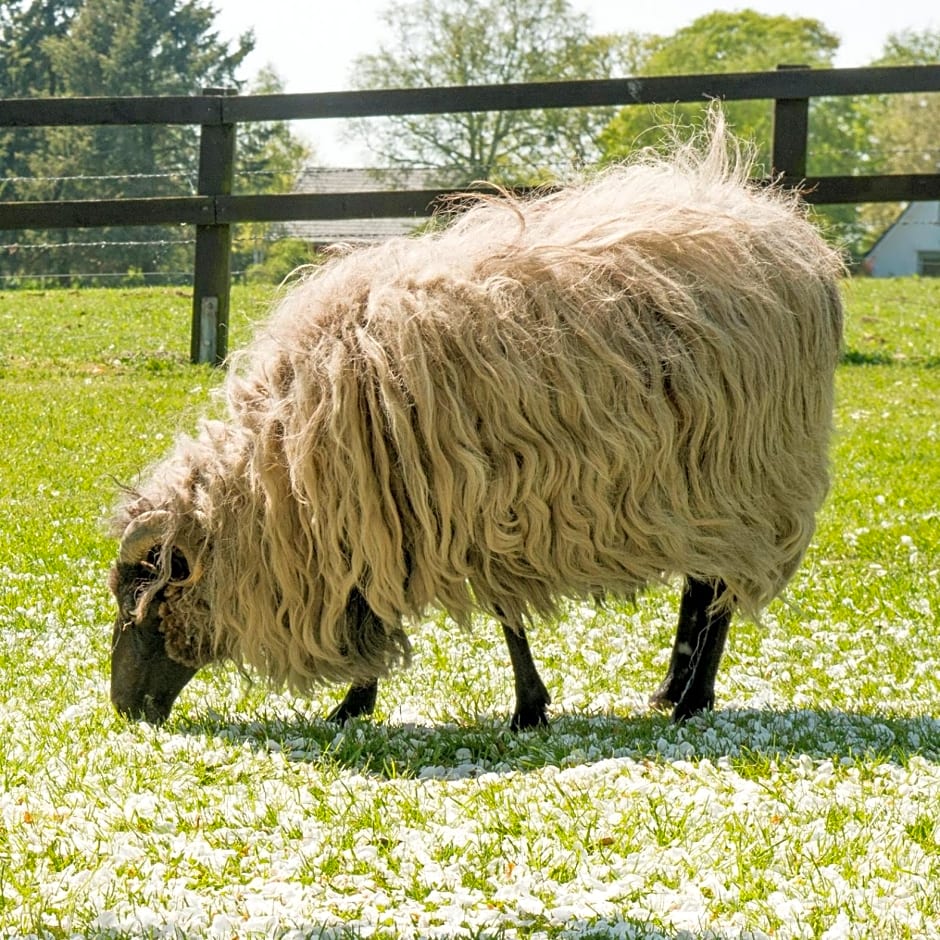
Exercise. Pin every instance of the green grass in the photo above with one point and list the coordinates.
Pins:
(805, 806)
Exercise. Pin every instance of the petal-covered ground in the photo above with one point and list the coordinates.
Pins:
(805, 806)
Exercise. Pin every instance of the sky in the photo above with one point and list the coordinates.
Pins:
(312, 45)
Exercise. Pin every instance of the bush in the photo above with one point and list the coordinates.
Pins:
(282, 257)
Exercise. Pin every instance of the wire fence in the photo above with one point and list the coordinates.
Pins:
(167, 260)
(47, 260)
(54, 263)
(30, 258)
(205, 214)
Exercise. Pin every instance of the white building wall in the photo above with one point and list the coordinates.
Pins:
(896, 253)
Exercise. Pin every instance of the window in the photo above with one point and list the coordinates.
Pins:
(928, 263)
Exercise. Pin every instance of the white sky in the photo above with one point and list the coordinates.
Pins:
(312, 44)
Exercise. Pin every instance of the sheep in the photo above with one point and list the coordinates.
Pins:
(574, 394)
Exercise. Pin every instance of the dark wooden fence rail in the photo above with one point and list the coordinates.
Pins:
(218, 113)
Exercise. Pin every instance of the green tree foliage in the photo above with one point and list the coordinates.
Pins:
(905, 128)
(121, 47)
(24, 29)
(113, 47)
(269, 157)
(110, 47)
(744, 41)
(27, 72)
(451, 42)
(136, 47)
(720, 42)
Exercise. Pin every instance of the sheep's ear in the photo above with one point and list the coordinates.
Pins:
(180, 570)
(185, 566)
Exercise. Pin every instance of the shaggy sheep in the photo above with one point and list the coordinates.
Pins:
(570, 395)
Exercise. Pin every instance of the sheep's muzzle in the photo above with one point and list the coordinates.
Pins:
(144, 680)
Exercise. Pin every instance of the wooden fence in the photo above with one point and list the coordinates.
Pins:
(218, 113)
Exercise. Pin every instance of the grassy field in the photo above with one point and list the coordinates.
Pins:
(805, 806)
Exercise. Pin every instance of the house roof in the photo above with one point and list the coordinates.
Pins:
(914, 213)
(318, 179)
(901, 247)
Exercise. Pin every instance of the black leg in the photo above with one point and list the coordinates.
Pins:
(359, 700)
(531, 695)
(689, 685)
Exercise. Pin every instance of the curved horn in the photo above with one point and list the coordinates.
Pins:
(149, 530)
(193, 562)
(141, 535)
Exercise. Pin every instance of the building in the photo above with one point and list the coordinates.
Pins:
(322, 232)
(911, 245)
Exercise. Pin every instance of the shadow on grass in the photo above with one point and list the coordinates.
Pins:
(856, 357)
(750, 738)
(599, 929)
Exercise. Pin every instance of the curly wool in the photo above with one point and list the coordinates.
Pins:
(575, 394)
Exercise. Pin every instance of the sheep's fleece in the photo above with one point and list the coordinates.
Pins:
(573, 394)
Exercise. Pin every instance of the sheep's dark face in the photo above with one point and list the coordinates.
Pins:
(147, 671)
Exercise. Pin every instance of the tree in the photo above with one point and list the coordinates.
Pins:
(269, 158)
(145, 47)
(122, 47)
(23, 30)
(26, 72)
(453, 42)
(138, 47)
(840, 130)
(719, 42)
(905, 128)
(112, 47)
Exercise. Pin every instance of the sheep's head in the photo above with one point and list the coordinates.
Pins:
(159, 642)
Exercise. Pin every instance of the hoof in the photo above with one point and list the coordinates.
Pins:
(340, 715)
(661, 702)
(525, 719)
(359, 701)
(689, 708)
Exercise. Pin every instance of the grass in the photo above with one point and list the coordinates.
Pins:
(805, 806)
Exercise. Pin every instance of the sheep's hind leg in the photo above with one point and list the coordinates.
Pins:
(359, 700)
(532, 697)
(689, 686)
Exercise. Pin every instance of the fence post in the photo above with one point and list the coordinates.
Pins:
(791, 132)
(213, 264)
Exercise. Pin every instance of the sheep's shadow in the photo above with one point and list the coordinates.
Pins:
(577, 930)
(751, 737)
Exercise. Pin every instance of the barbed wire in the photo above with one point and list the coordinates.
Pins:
(190, 174)
(99, 177)
(246, 238)
(27, 246)
(274, 233)
(242, 242)
(255, 239)
(176, 277)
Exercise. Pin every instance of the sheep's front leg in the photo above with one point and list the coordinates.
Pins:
(689, 686)
(532, 697)
(359, 700)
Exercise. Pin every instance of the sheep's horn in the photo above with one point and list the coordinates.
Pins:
(193, 562)
(141, 535)
(146, 532)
